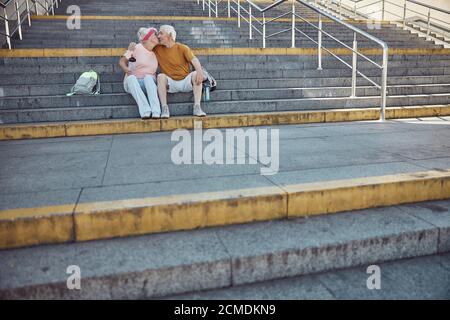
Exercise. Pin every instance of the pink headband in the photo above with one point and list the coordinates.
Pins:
(151, 32)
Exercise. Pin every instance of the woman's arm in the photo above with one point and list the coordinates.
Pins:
(123, 63)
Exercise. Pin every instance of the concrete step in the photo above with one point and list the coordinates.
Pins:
(97, 111)
(135, 125)
(327, 64)
(185, 29)
(203, 44)
(116, 98)
(195, 40)
(107, 73)
(61, 88)
(216, 59)
(420, 278)
(174, 263)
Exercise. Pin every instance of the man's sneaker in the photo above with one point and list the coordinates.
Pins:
(156, 116)
(147, 116)
(198, 111)
(165, 112)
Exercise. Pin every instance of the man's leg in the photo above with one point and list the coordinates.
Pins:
(197, 89)
(133, 87)
(162, 81)
(152, 94)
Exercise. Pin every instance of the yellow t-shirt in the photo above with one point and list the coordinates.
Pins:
(175, 61)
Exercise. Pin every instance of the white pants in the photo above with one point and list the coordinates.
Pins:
(149, 104)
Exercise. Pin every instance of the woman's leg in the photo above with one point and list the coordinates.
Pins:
(131, 86)
(152, 94)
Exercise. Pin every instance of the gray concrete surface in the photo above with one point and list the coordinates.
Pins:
(165, 264)
(51, 171)
(420, 278)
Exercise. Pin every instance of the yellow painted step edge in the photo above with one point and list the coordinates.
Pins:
(103, 127)
(102, 220)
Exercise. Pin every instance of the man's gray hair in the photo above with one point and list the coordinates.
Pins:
(170, 31)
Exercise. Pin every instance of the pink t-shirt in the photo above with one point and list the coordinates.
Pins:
(146, 62)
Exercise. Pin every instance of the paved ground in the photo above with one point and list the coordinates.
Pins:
(418, 278)
(66, 170)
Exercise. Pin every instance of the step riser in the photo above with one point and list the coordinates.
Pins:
(205, 44)
(117, 87)
(217, 67)
(217, 274)
(238, 75)
(220, 95)
(216, 59)
(122, 112)
(94, 128)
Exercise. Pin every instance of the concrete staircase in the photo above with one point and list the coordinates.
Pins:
(248, 83)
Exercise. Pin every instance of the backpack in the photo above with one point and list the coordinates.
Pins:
(88, 84)
(209, 81)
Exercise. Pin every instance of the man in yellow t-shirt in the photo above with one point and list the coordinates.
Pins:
(174, 61)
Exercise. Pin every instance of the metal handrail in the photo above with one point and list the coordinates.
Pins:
(17, 13)
(354, 49)
(403, 19)
(415, 2)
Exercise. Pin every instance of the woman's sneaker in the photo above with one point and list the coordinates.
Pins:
(198, 111)
(165, 112)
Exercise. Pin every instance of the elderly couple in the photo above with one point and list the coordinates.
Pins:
(140, 64)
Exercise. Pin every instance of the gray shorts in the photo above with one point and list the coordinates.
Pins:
(184, 85)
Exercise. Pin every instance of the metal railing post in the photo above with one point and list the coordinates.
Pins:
(209, 8)
(203, 5)
(28, 13)
(340, 9)
(319, 48)
(382, 10)
(36, 9)
(250, 22)
(239, 13)
(404, 14)
(293, 26)
(56, 3)
(53, 8)
(217, 11)
(229, 9)
(46, 8)
(354, 9)
(264, 29)
(19, 24)
(429, 24)
(8, 39)
(354, 65)
(384, 83)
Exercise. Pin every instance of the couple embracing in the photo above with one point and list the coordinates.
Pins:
(140, 64)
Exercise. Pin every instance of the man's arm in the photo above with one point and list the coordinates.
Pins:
(198, 67)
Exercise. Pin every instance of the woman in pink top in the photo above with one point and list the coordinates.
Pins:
(140, 74)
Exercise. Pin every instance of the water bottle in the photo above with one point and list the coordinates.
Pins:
(206, 96)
